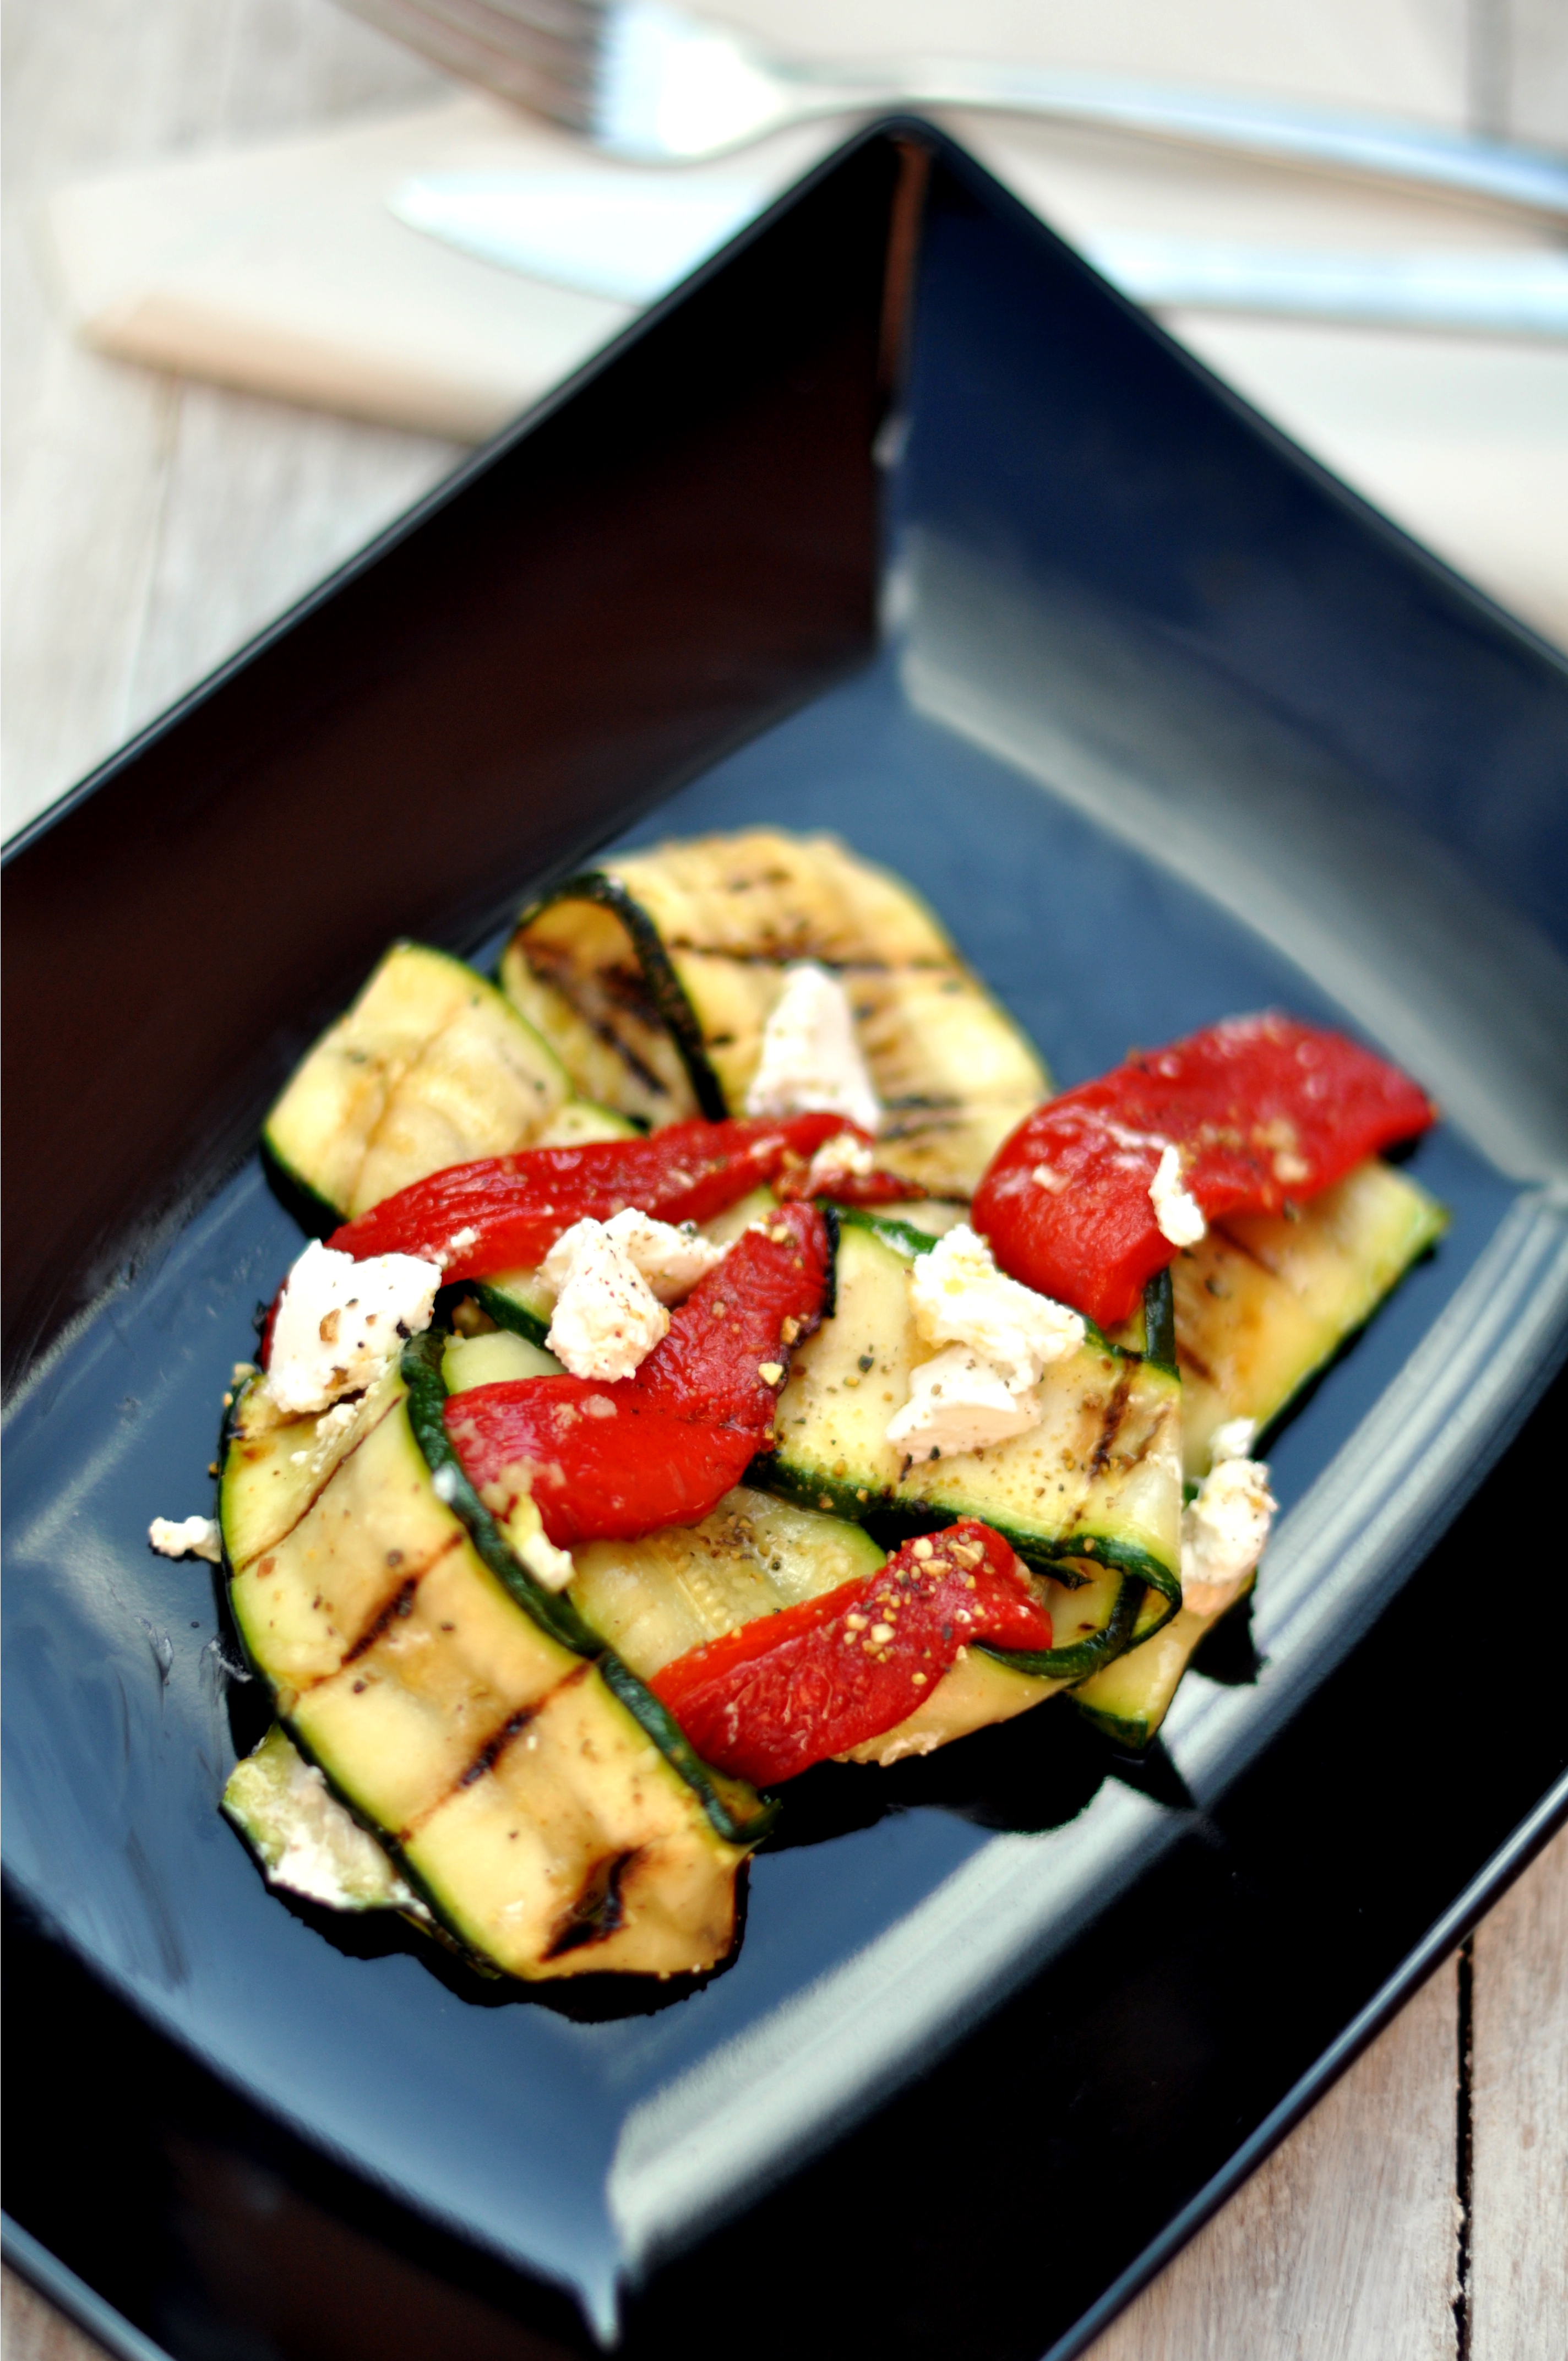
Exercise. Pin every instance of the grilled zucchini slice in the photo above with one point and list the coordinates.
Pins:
(1261, 1304)
(304, 1839)
(653, 977)
(1092, 1496)
(655, 1598)
(524, 1784)
(1265, 1299)
(1132, 1697)
(432, 1066)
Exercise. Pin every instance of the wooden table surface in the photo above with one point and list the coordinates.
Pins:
(1421, 2213)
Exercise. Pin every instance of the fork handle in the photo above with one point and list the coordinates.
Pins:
(1368, 145)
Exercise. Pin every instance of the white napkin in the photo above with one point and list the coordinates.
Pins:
(282, 269)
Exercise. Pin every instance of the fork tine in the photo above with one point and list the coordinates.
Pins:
(514, 35)
(500, 66)
(510, 32)
(579, 23)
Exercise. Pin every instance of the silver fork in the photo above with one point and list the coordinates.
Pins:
(643, 81)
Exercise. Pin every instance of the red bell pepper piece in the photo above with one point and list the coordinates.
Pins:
(791, 1689)
(842, 1188)
(505, 1212)
(610, 1461)
(1262, 1109)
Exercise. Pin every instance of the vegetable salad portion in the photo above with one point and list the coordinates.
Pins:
(723, 1355)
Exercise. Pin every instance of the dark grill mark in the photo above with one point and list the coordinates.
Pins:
(490, 1753)
(595, 998)
(1111, 1425)
(330, 1478)
(401, 1602)
(495, 1746)
(598, 1911)
(1186, 1359)
(1239, 1247)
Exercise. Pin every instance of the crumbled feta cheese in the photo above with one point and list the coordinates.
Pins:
(843, 1155)
(1176, 1210)
(961, 1298)
(1223, 1531)
(810, 1057)
(608, 1319)
(670, 1259)
(958, 1401)
(330, 1427)
(340, 1321)
(325, 1854)
(1232, 1441)
(525, 1531)
(186, 1537)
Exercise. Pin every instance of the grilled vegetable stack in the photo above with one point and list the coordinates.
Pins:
(653, 977)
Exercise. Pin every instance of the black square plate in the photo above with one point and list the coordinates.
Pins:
(897, 521)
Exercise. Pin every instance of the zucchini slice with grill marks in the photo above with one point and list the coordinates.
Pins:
(304, 1839)
(653, 977)
(1266, 1299)
(671, 1591)
(1261, 1304)
(526, 1786)
(1130, 1697)
(1092, 1496)
(431, 1066)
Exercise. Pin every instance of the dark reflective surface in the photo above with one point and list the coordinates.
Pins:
(628, 596)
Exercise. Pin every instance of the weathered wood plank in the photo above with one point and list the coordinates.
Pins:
(33, 2331)
(1340, 2246)
(1517, 2292)
(119, 485)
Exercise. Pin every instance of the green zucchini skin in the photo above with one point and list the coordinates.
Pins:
(729, 1804)
(818, 1436)
(1159, 1322)
(431, 1065)
(664, 986)
(520, 1725)
(654, 979)
(1075, 1660)
(1129, 1700)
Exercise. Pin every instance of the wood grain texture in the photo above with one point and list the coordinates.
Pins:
(1517, 2292)
(1341, 2247)
(33, 2329)
(152, 526)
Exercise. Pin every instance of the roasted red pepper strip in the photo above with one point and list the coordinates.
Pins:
(505, 1212)
(1262, 1109)
(608, 1462)
(791, 1689)
(842, 1188)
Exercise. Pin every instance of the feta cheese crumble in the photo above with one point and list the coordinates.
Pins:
(959, 1402)
(1176, 1210)
(340, 1321)
(607, 1319)
(525, 1531)
(318, 1848)
(961, 1298)
(810, 1059)
(186, 1537)
(1000, 1337)
(1224, 1529)
(843, 1155)
(672, 1259)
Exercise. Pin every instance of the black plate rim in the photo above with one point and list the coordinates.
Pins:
(28, 2254)
(54, 2280)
